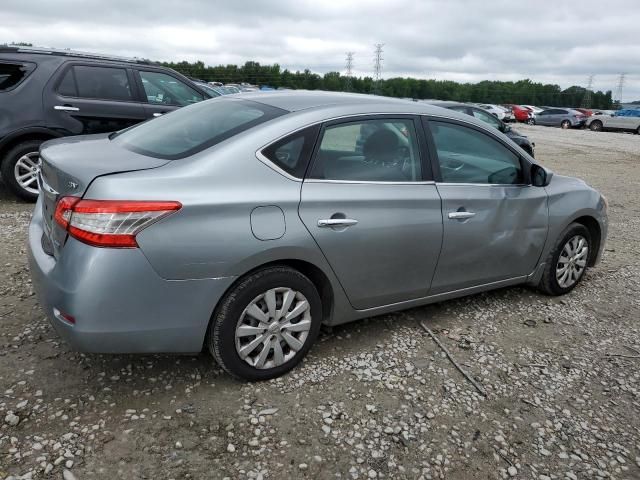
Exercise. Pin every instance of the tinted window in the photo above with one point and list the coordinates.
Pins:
(486, 117)
(189, 130)
(460, 108)
(163, 89)
(292, 153)
(373, 150)
(104, 83)
(11, 74)
(67, 86)
(466, 155)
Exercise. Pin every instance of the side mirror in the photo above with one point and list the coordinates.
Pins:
(540, 176)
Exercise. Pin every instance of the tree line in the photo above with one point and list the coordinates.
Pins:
(488, 91)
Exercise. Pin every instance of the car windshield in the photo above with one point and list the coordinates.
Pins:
(189, 130)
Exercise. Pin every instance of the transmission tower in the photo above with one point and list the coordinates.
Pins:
(377, 67)
(349, 73)
(620, 86)
(586, 100)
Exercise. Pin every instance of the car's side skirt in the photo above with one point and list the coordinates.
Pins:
(339, 319)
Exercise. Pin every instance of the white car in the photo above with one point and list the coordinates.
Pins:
(534, 110)
(496, 110)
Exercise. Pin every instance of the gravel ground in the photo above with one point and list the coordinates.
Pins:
(374, 399)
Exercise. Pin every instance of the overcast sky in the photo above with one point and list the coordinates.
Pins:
(465, 40)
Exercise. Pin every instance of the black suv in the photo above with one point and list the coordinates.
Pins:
(47, 94)
(521, 140)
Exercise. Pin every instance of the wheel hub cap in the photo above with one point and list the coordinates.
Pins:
(26, 172)
(572, 261)
(273, 328)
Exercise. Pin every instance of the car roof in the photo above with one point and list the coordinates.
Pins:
(296, 100)
(52, 52)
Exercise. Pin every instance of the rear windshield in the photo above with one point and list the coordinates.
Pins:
(12, 73)
(192, 129)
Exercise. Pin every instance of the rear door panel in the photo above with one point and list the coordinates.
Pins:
(76, 115)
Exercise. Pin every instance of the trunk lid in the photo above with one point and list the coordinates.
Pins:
(69, 165)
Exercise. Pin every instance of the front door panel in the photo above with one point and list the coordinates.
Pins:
(390, 254)
(502, 239)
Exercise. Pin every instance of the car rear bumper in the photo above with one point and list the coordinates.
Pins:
(119, 303)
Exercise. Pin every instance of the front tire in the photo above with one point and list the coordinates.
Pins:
(20, 169)
(596, 126)
(567, 263)
(265, 325)
(565, 124)
(531, 121)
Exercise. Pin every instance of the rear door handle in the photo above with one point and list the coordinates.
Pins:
(66, 108)
(461, 215)
(157, 114)
(336, 222)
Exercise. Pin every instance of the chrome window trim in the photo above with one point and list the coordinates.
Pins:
(462, 184)
(369, 182)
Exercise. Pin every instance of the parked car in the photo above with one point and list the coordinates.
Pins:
(245, 236)
(533, 109)
(495, 110)
(521, 140)
(522, 114)
(47, 94)
(561, 117)
(211, 91)
(617, 122)
(585, 111)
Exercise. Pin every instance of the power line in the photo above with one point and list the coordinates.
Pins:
(377, 67)
(586, 100)
(349, 70)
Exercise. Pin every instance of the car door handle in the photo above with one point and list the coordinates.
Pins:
(157, 114)
(461, 215)
(336, 222)
(66, 108)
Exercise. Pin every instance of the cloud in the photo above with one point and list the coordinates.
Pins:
(464, 40)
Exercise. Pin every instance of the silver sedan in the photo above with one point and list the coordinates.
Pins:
(241, 224)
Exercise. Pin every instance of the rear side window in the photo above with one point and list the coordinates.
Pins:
(101, 83)
(292, 153)
(12, 74)
(190, 130)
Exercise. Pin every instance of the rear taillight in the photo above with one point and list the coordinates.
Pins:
(109, 223)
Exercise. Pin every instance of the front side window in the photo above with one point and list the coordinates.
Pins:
(186, 131)
(292, 153)
(12, 74)
(163, 89)
(384, 150)
(103, 83)
(466, 155)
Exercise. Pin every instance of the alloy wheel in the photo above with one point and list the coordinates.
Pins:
(273, 328)
(572, 261)
(26, 172)
(566, 124)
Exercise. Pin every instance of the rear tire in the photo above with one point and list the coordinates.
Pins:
(251, 338)
(531, 121)
(20, 169)
(564, 267)
(565, 124)
(596, 126)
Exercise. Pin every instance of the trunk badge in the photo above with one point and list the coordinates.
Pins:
(72, 185)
